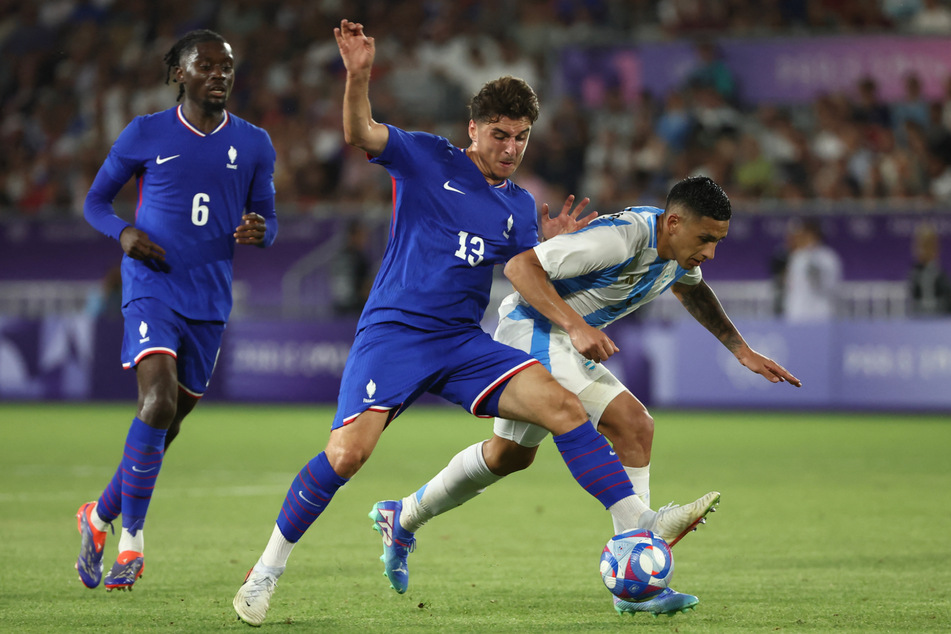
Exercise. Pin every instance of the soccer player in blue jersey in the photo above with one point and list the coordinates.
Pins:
(567, 290)
(205, 180)
(456, 215)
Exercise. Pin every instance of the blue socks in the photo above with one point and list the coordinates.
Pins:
(310, 493)
(594, 465)
(141, 463)
(110, 502)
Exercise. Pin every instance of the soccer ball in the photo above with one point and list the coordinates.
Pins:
(636, 565)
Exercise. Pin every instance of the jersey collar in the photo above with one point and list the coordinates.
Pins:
(181, 117)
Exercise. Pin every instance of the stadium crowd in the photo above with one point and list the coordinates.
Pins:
(76, 71)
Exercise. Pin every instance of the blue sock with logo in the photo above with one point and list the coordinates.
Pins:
(594, 465)
(309, 495)
(110, 502)
(141, 463)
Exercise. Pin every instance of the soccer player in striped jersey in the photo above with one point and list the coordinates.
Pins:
(456, 215)
(205, 181)
(567, 290)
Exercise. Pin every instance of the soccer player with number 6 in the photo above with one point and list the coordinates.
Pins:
(205, 181)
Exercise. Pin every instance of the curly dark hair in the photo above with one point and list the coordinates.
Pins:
(188, 42)
(504, 97)
(702, 196)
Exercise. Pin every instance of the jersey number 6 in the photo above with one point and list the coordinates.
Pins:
(475, 244)
(200, 210)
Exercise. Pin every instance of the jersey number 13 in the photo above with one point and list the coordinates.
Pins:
(471, 248)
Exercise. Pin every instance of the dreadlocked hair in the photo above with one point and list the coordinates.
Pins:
(188, 42)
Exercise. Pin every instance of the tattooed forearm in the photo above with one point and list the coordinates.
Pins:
(703, 305)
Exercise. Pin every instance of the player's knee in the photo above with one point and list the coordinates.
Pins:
(632, 432)
(346, 460)
(503, 457)
(157, 408)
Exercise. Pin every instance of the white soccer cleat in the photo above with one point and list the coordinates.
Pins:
(673, 521)
(254, 596)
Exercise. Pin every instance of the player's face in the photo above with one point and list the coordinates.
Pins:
(207, 72)
(693, 239)
(499, 146)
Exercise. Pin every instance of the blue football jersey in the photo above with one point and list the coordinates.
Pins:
(449, 229)
(193, 189)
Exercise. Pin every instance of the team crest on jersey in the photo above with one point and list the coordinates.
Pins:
(508, 227)
(232, 155)
(143, 332)
(371, 390)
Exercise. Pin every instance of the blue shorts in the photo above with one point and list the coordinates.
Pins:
(151, 327)
(391, 365)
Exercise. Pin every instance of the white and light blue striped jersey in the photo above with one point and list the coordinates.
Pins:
(608, 269)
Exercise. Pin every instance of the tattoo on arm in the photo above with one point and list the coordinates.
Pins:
(701, 302)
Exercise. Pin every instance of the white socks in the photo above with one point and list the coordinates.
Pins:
(128, 541)
(98, 523)
(277, 551)
(629, 512)
(641, 479)
(465, 477)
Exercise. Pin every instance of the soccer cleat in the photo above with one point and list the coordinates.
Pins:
(128, 567)
(254, 596)
(673, 521)
(398, 542)
(668, 602)
(89, 563)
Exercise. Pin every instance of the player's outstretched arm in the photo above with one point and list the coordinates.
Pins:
(357, 51)
(568, 220)
(701, 302)
(531, 281)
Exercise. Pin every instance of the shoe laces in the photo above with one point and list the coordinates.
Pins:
(261, 583)
(403, 548)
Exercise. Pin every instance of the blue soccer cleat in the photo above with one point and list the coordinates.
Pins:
(89, 563)
(125, 571)
(398, 542)
(668, 602)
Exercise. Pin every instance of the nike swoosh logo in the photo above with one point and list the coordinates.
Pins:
(449, 187)
(612, 453)
(301, 494)
(159, 160)
(136, 469)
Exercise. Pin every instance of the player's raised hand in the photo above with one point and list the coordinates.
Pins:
(251, 230)
(137, 245)
(356, 49)
(766, 367)
(568, 220)
(592, 343)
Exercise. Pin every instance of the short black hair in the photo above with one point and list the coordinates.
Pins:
(504, 97)
(702, 196)
(189, 41)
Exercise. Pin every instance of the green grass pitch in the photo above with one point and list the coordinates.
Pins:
(828, 522)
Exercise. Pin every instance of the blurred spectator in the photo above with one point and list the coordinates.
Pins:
(712, 72)
(813, 275)
(929, 285)
(933, 18)
(870, 109)
(105, 300)
(912, 107)
(350, 276)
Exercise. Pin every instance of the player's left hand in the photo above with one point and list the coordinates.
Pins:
(568, 220)
(251, 230)
(766, 367)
